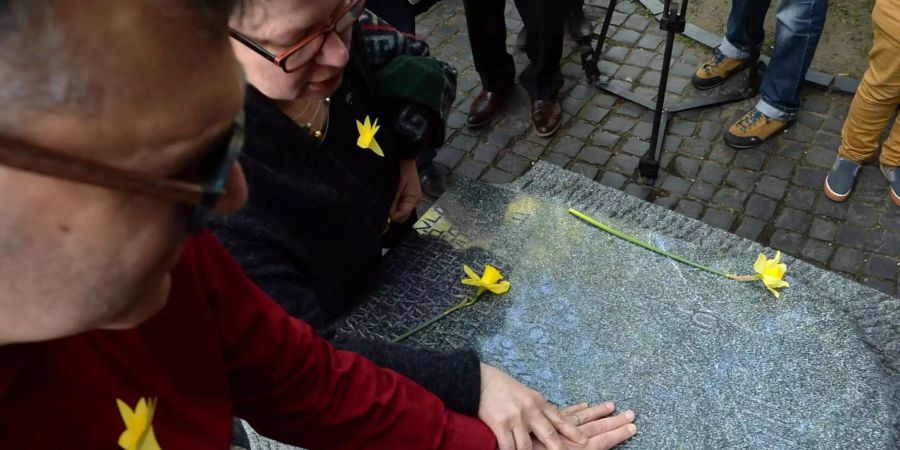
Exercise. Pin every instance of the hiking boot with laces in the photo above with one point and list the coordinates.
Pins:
(752, 130)
(839, 181)
(718, 69)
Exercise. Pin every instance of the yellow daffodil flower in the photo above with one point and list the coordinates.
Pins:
(771, 272)
(138, 434)
(366, 139)
(490, 281)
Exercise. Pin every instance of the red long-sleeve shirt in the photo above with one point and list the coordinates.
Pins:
(219, 348)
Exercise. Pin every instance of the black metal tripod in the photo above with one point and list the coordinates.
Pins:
(673, 22)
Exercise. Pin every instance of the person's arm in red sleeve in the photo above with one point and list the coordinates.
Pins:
(293, 386)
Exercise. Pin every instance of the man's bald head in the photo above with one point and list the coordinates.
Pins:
(142, 85)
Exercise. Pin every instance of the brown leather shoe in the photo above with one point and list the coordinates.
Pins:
(485, 107)
(545, 116)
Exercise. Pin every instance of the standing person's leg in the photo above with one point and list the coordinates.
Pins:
(740, 46)
(398, 13)
(875, 101)
(580, 28)
(487, 36)
(799, 26)
(543, 78)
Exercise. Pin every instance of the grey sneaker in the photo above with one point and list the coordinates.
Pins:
(839, 181)
(890, 172)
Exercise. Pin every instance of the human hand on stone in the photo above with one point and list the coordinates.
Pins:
(603, 431)
(514, 412)
(409, 192)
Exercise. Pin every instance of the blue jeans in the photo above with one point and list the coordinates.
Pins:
(799, 26)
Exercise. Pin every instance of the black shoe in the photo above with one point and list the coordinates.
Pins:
(580, 28)
(433, 181)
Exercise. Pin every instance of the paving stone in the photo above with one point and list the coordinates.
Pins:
(750, 228)
(568, 146)
(631, 110)
(742, 180)
(500, 138)
(585, 170)
(557, 159)
(668, 202)
(672, 144)
(682, 128)
(760, 207)
(750, 159)
(810, 177)
(709, 130)
(772, 187)
(890, 220)
(681, 69)
(626, 36)
(702, 191)
(829, 208)
(820, 157)
(650, 78)
(689, 208)
(833, 125)
(449, 156)
(581, 130)
(642, 130)
(497, 176)
(675, 185)
(696, 147)
(800, 198)
(791, 150)
(616, 54)
(730, 198)
(718, 218)
(794, 220)
(881, 267)
(514, 164)
(650, 41)
(822, 229)
(613, 180)
(862, 214)
(594, 114)
(485, 153)
(786, 241)
(639, 58)
(711, 172)
(638, 190)
(529, 150)
(623, 163)
(618, 124)
(846, 84)
(686, 167)
(846, 260)
(779, 167)
(605, 139)
(817, 251)
(571, 106)
(677, 85)
(464, 142)
(816, 103)
(637, 23)
(884, 243)
(851, 236)
(470, 169)
(594, 155)
(636, 147)
(880, 285)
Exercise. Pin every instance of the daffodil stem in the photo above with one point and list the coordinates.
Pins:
(464, 303)
(643, 244)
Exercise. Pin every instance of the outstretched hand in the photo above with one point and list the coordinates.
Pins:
(602, 430)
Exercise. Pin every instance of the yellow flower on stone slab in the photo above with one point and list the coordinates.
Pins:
(366, 139)
(138, 434)
(490, 281)
(771, 272)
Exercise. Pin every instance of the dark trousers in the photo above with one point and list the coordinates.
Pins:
(398, 13)
(487, 36)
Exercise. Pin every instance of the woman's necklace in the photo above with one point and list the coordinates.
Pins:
(311, 115)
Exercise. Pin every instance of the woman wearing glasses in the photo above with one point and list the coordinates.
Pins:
(340, 104)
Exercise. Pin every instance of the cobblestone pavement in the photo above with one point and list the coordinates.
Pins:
(771, 194)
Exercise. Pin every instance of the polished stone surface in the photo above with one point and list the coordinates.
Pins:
(704, 361)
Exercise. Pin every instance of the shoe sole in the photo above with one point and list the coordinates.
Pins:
(894, 197)
(721, 80)
(479, 124)
(547, 133)
(834, 196)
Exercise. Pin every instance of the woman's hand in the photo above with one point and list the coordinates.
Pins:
(602, 430)
(409, 192)
(513, 412)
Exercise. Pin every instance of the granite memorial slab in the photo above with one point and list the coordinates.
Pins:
(706, 362)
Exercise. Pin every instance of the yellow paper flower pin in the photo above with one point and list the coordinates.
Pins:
(490, 281)
(366, 139)
(138, 434)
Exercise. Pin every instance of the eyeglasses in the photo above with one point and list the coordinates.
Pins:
(301, 53)
(213, 172)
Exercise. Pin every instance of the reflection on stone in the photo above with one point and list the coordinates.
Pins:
(706, 362)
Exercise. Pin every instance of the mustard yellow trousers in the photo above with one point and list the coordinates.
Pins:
(879, 93)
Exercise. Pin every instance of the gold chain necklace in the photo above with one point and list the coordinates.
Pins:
(316, 123)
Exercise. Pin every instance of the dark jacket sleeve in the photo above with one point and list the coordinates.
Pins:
(454, 376)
